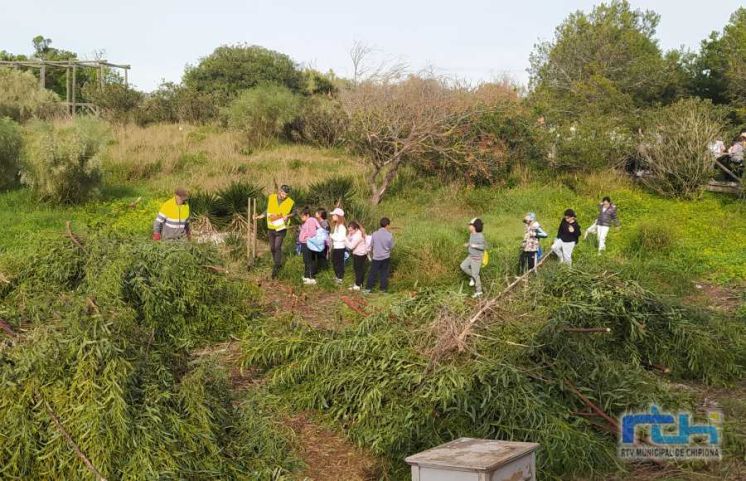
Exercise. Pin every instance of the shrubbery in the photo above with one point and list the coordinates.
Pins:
(117, 101)
(10, 153)
(21, 99)
(676, 152)
(590, 143)
(261, 114)
(61, 159)
(320, 122)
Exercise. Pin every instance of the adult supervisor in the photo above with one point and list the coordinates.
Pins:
(279, 208)
(172, 221)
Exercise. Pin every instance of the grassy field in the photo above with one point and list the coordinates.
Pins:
(688, 252)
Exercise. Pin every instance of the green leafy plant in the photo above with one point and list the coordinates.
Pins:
(260, 114)
(10, 153)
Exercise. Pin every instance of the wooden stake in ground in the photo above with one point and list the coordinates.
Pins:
(253, 231)
(249, 215)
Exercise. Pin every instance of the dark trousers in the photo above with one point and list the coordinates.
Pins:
(310, 261)
(358, 263)
(275, 246)
(527, 261)
(379, 268)
(338, 261)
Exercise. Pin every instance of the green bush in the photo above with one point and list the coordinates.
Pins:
(651, 238)
(260, 114)
(61, 162)
(677, 152)
(21, 99)
(231, 69)
(10, 153)
(321, 122)
(592, 142)
(117, 101)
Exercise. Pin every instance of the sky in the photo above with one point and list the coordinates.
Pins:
(476, 40)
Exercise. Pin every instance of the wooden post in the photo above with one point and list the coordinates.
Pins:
(101, 75)
(67, 88)
(42, 76)
(126, 84)
(249, 215)
(254, 232)
(74, 83)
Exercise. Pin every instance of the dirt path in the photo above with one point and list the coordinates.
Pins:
(328, 455)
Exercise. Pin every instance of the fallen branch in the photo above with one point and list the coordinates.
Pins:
(92, 307)
(7, 329)
(218, 269)
(96, 473)
(587, 329)
(593, 407)
(352, 305)
(658, 367)
(134, 203)
(489, 305)
(73, 237)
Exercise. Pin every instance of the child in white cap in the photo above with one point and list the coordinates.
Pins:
(339, 247)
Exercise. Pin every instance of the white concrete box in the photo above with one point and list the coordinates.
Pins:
(469, 459)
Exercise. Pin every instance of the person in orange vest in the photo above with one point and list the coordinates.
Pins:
(279, 210)
(172, 221)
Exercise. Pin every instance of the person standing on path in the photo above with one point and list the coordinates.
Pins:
(473, 262)
(357, 244)
(310, 258)
(530, 245)
(381, 244)
(607, 215)
(339, 248)
(279, 209)
(172, 221)
(567, 237)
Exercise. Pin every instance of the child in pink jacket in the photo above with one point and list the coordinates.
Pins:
(310, 258)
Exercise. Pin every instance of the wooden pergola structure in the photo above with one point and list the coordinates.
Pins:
(71, 70)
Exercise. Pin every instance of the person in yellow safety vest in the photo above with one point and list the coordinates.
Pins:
(172, 221)
(279, 209)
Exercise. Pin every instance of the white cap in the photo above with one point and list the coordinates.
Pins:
(338, 212)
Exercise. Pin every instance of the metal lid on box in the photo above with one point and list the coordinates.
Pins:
(469, 454)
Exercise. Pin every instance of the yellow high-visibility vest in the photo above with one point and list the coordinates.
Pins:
(278, 208)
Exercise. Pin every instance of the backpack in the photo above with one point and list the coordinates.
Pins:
(485, 258)
(317, 243)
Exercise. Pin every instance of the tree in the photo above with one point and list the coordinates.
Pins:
(21, 99)
(391, 124)
(613, 46)
(231, 69)
(261, 113)
(677, 152)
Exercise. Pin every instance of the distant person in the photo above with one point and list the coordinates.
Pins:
(358, 245)
(607, 215)
(717, 148)
(322, 216)
(530, 245)
(172, 221)
(308, 230)
(567, 237)
(339, 248)
(475, 253)
(736, 153)
(540, 233)
(279, 209)
(381, 244)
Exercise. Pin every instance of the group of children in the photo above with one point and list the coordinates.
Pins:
(567, 238)
(320, 240)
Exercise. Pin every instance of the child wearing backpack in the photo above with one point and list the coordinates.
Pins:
(321, 217)
(476, 248)
(308, 232)
(357, 243)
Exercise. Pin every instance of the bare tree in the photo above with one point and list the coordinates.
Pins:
(391, 124)
(365, 68)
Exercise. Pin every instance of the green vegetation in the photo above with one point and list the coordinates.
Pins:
(119, 352)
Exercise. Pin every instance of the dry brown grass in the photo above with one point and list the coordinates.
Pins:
(207, 158)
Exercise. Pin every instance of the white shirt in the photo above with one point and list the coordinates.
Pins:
(339, 236)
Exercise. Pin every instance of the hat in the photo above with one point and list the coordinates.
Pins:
(338, 212)
(569, 213)
(285, 188)
(473, 221)
(531, 216)
(743, 134)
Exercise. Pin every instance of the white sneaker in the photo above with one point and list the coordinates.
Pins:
(471, 283)
(338, 281)
(312, 282)
(476, 295)
(306, 280)
(355, 288)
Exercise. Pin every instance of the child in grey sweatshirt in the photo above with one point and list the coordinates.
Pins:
(381, 244)
(473, 262)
